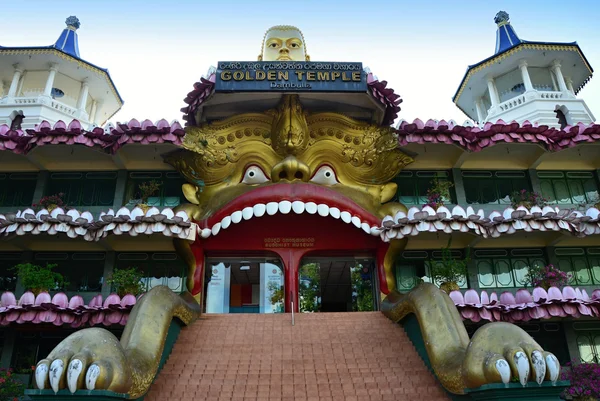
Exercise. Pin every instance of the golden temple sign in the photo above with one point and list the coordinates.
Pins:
(289, 242)
(251, 76)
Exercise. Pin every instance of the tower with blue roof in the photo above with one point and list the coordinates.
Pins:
(526, 81)
(54, 83)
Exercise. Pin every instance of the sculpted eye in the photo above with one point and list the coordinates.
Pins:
(325, 175)
(254, 175)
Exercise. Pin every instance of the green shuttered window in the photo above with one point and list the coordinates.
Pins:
(414, 266)
(493, 187)
(499, 268)
(568, 187)
(16, 189)
(168, 195)
(413, 185)
(159, 268)
(582, 263)
(84, 189)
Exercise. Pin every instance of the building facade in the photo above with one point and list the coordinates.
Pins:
(301, 247)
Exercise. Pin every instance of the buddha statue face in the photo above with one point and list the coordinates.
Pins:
(283, 43)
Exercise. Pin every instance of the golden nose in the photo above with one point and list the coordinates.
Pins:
(290, 169)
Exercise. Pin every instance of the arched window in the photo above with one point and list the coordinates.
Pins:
(16, 118)
(562, 117)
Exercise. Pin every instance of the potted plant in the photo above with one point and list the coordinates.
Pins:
(11, 388)
(527, 199)
(585, 381)
(546, 277)
(127, 281)
(146, 190)
(39, 279)
(438, 193)
(51, 202)
(450, 270)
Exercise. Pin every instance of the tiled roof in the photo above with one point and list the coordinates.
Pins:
(509, 221)
(60, 310)
(76, 224)
(525, 305)
(474, 138)
(325, 356)
(110, 138)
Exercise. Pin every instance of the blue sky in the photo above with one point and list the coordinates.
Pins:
(156, 50)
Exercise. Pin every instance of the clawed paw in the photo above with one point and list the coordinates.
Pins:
(88, 359)
(501, 352)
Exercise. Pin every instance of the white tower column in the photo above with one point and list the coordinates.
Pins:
(525, 76)
(82, 101)
(494, 98)
(93, 112)
(562, 86)
(46, 97)
(14, 84)
(569, 83)
(481, 114)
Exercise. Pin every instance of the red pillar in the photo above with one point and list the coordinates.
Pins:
(291, 259)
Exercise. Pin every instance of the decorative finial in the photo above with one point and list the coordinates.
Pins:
(501, 18)
(73, 21)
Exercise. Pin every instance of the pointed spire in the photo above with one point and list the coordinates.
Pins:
(506, 37)
(68, 41)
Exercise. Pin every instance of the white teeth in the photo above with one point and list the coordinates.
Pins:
(247, 213)
(41, 373)
(311, 207)
(91, 377)
(73, 372)
(56, 370)
(285, 207)
(225, 222)
(298, 207)
(334, 212)
(259, 209)
(236, 216)
(323, 210)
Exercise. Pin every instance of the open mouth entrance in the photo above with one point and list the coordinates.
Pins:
(337, 285)
(244, 285)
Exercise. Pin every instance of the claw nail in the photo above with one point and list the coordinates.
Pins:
(522, 367)
(91, 377)
(553, 367)
(539, 366)
(504, 370)
(73, 372)
(56, 370)
(41, 374)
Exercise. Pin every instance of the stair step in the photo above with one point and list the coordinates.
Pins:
(325, 356)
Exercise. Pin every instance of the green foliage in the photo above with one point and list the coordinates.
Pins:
(10, 387)
(147, 189)
(127, 281)
(438, 192)
(450, 269)
(362, 291)
(308, 287)
(39, 278)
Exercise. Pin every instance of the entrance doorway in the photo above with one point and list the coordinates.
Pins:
(337, 285)
(244, 285)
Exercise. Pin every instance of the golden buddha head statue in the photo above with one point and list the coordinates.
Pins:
(283, 43)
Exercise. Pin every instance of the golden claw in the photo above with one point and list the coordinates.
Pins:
(95, 359)
(497, 353)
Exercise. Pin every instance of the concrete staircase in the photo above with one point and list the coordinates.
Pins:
(358, 356)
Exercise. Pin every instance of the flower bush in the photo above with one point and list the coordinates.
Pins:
(585, 381)
(438, 193)
(547, 276)
(450, 270)
(147, 189)
(50, 202)
(527, 199)
(10, 387)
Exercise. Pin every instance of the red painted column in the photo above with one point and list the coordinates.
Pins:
(291, 259)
